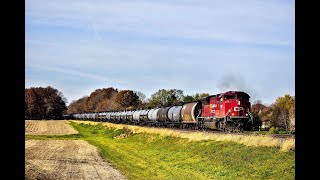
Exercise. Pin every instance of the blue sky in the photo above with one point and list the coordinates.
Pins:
(145, 45)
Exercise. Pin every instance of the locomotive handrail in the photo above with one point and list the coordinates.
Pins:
(199, 113)
(200, 123)
(228, 112)
(251, 117)
(226, 116)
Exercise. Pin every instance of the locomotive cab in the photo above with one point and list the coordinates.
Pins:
(237, 109)
(237, 104)
(229, 110)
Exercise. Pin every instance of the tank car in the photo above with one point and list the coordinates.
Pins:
(162, 116)
(144, 117)
(136, 117)
(174, 116)
(129, 117)
(102, 116)
(123, 116)
(152, 116)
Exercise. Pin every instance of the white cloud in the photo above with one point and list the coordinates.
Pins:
(76, 73)
(256, 22)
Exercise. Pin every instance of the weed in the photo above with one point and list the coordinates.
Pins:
(274, 130)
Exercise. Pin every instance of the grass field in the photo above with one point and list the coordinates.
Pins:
(152, 156)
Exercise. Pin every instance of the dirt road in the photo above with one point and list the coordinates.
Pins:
(49, 127)
(66, 159)
(63, 159)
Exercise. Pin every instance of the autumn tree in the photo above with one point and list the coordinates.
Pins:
(54, 104)
(98, 96)
(127, 98)
(44, 103)
(256, 111)
(266, 114)
(106, 99)
(72, 108)
(94, 101)
(98, 101)
(34, 104)
(77, 106)
(109, 104)
(283, 112)
(292, 118)
(256, 107)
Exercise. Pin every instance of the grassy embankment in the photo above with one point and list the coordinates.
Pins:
(154, 156)
(248, 140)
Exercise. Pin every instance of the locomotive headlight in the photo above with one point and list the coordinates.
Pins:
(232, 114)
(246, 114)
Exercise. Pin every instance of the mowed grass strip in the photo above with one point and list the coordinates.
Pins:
(153, 156)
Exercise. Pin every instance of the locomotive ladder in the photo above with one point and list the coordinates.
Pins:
(200, 120)
(225, 119)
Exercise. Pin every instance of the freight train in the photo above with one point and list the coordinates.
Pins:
(228, 111)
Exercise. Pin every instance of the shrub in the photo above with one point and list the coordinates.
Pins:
(274, 130)
(122, 133)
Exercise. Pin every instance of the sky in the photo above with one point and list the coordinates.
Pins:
(198, 46)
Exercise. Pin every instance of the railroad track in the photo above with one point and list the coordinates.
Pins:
(238, 133)
(282, 136)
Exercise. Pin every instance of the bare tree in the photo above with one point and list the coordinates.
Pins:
(141, 96)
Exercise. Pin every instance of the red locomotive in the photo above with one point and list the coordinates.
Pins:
(227, 111)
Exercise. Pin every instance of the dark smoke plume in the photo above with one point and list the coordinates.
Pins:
(235, 82)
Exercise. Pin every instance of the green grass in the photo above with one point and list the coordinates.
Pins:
(150, 156)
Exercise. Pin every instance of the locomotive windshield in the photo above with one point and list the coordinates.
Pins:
(229, 96)
(243, 96)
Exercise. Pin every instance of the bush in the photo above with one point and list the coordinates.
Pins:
(95, 132)
(273, 130)
(122, 133)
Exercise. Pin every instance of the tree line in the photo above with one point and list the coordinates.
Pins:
(44, 103)
(49, 103)
(111, 99)
(279, 114)
(106, 99)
